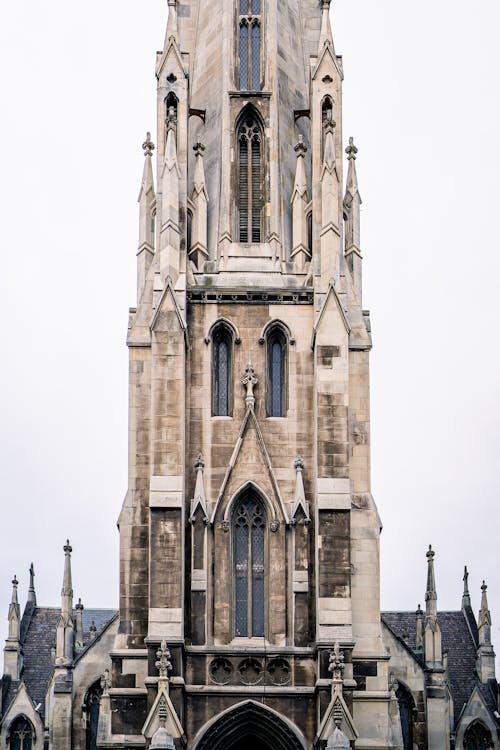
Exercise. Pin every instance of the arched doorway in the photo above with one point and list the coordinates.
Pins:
(250, 726)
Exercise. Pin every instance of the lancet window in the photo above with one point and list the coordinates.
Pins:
(249, 543)
(222, 356)
(276, 372)
(250, 179)
(250, 35)
(21, 734)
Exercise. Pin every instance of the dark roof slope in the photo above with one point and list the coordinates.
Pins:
(38, 643)
(458, 641)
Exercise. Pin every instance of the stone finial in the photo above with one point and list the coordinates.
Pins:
(249, 380)
(300, 148)
(171, 119)
(200, 463)
(336, 665)
(198, 148)
(105, 682)
(31, 590)
(351, 149)
(163, 663)
(79, 623)
(148, 145)
(325, 35)
(172, 21)
(15, 584)
(93, 631)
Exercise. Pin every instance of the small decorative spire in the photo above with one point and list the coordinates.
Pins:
(31, 590)
(249, 380)
(466, 595)
(79, 624)
(172, 20)
(93, 631)
(325, 36)
(329, 161)
(67, 587)
(300, 147)
(163, 663)
(419, 634)
(148, 146)
(430, 593)
(300, 504)
(15, 584)
(199, 500)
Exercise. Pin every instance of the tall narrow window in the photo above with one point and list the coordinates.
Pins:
(406, 704)
(250, 24)
(249, 527)
(221, 371)
(21, 734)
(276, 359)
(91, 709)
(250, 180)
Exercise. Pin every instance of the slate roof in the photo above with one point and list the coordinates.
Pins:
(459, 638)
(38, 633)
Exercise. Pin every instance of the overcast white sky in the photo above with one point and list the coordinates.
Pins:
(421, 98)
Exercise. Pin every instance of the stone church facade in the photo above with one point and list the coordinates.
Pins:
(249, 539)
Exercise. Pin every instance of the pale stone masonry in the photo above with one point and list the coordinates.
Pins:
(249, 611)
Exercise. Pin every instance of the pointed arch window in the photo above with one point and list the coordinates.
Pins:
(477, 737)
(250, 179)
(222, 361)
(91, 708)
(250, 34)
(21, 734)
(276, 372)
(406, 706)
(249, 535)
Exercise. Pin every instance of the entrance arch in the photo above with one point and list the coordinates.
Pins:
(249, 726)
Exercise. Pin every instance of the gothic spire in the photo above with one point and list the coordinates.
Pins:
(170, 179)
(31, 590)
(300, 250)
(198, 252)
(147, 200)
(79, 623)
(14, 612)
(352, 203)
(419, 632)
(325, 36)
(485, 663)
(432, 633)
(171, 22)
(466, 595)
(65, 631)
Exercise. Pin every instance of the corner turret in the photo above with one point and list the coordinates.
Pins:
(65, 634)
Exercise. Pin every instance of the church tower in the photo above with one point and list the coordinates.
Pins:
(249, 539)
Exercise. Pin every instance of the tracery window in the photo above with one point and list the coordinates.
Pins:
(250, 32)
(477, 737)
(91, 708)
(222, 355)
(249, 528)
(250, 179)
(276, 375)
(21, 734)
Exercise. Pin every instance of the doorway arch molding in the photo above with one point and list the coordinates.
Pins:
(231, 726)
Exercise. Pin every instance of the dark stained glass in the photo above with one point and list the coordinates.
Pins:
(222, 379)
(405, 702)
(244, 7)
(244, 57)
(255, 57)
(249, 181)
(241, 574)
(256, 7)
(276, 378)
(21, 735)
(256, 191)
(249, 563)
(243, 190)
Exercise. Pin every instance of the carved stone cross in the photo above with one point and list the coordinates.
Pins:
(249, 380)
